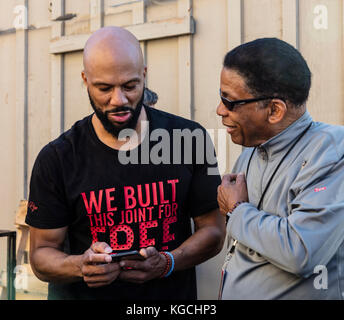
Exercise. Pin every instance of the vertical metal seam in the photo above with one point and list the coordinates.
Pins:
(26, 101)
(192, 89)
(63, 12)
(242, 28)
(62, 72)
(242, 21)
(62, 93)
(192, 78)
(102, 13)
(297, 5)
(145, 43)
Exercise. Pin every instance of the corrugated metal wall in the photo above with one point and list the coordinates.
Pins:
(184, 42)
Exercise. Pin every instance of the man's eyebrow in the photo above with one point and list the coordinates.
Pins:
(132, 80)
(228, 95)
(100, 83)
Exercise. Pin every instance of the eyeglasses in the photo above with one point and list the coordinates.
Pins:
(230, 104)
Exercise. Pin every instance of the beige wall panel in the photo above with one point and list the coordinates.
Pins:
(120, 20)
(39, 91)
(262, 18)
(39, 14)
(8, 162)
(162, 11)
(81, 23)
(7, 15)
(162, 76)
(77, 104)
(124, 16)
(210, 47)
(323, 50)
(154, 11)
(108, 3)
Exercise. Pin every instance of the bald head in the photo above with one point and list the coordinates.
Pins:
(114, 75)
(111, 47)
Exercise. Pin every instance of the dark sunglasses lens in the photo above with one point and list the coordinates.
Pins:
(227, 104)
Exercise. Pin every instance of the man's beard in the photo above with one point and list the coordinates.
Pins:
(111, 128)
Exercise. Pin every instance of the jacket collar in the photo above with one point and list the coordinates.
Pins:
(277, 144)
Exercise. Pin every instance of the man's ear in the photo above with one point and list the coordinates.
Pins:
(145, 72)
(277, 112)
(84, 78)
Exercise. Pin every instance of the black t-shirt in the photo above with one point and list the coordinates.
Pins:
(79, 182)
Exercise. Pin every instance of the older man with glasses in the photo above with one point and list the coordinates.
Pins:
(284, 199)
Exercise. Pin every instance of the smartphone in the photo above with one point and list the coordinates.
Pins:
(128, 255)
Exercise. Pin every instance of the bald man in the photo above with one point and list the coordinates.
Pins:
(87, 206)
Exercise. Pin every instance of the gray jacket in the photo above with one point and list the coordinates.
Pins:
(293, 247)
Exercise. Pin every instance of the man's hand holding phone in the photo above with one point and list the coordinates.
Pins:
(140, 271)
(96, 269)
(100, 266)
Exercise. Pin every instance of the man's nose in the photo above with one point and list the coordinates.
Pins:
(221, 110)
(118, 98)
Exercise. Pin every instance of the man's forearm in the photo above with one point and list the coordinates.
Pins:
(51, 265)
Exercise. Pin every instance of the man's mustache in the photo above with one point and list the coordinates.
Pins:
(120, 109)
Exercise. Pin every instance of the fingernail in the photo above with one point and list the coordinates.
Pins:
(108, 250)
(108, 259)
(122, 264)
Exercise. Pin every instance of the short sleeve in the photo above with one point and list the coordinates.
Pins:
(47, 204)
(202, 196)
